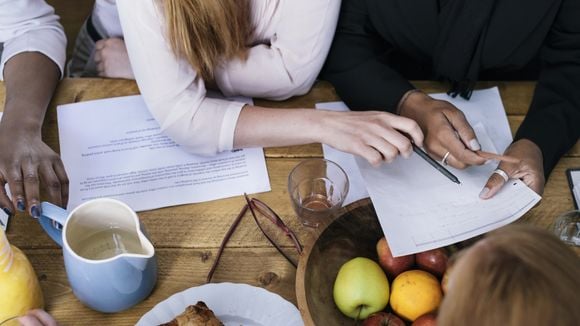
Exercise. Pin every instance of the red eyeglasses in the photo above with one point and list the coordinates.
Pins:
(256, 205)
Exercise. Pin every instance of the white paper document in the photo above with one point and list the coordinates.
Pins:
(115, 148)
(420, 209)
(574, 176)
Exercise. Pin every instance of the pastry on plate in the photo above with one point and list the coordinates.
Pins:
(196, 315)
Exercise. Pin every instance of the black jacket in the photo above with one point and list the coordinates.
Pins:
(380, 44)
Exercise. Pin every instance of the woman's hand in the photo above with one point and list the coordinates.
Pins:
(446, 130)
(112, 59)
(530, 169)
(37, 317)
(376, 136)
(25, 162)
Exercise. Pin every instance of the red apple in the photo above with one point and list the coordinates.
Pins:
(429, 319)
(383, 319)
(433, 261)
(393, 266)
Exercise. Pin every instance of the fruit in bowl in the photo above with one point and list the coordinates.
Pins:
(393, 266)
(429, 319)
(433, 261)
(415, 293)
(361, 288)
(383, 319)
(355, 233)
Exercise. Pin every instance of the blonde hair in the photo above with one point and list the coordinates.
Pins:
(208, 32)
(518, 275)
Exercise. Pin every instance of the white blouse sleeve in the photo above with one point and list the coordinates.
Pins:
(290, 64)
(31, 26)
(172, 90)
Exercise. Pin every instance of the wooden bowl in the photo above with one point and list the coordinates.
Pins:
(352, 234)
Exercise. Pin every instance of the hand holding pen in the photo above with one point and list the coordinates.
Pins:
(449, 138)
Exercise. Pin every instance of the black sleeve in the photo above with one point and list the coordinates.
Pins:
(553, 121)
(356, 63)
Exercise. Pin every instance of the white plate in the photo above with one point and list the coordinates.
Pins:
(234, 304)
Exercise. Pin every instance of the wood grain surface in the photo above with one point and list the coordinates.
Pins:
(187, 237)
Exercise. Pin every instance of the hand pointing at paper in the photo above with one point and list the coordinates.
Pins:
(448, 135)
(529, 169)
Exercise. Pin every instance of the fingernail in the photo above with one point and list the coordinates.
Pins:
(484, 193)
(474, 145)
(20, 205)
(7, 211)
(35, 211)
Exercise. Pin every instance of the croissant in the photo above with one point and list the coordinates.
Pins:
(195, 315)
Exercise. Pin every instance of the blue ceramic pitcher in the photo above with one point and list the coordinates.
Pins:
(109, 261)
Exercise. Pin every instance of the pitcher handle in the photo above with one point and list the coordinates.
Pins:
(52, 221)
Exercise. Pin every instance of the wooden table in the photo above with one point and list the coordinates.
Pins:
(187, 237)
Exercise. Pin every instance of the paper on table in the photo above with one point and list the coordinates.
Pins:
(115, 148)
(575, 186)
(419, 209)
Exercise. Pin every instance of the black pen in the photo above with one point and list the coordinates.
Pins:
(435, 164)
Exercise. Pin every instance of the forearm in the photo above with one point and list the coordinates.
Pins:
(30, 80)
(266, 127)
(554, 116)
(552, 124)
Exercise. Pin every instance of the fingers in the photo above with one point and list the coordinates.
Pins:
(496, 180)
(31, 188)
(493, 185)
(64, 181)
(99, 46)
(29, 320)
(438, 151)
(370, 154)
(457, 119)
(37, 317)
(409, 127)
(5, 202)
(52, 183)
(459, 153)
(25, 188)
(386, 140)
(16, 185)
(397, 143)
(449, 131)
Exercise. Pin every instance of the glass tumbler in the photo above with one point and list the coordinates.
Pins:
(567, 227)
(317, 189)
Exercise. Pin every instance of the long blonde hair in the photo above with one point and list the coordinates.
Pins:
(518, 275)
(207, 32)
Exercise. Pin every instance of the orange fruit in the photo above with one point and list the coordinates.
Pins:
(415, 293)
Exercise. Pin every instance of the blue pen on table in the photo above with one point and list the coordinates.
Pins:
(435, 164)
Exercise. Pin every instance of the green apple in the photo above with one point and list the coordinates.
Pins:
(361, 286)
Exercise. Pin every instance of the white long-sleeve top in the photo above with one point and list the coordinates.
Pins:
(290, 43)
(30, 26)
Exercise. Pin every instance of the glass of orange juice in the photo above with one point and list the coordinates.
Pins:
(317, 189)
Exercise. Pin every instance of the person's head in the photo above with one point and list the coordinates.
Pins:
(517, 275)
(207, 32)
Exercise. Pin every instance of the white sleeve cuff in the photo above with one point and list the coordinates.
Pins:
(228, 128)
(206, 130)
(50, 41)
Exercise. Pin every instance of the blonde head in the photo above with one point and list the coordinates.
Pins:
(518, 275)
(208, 32)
